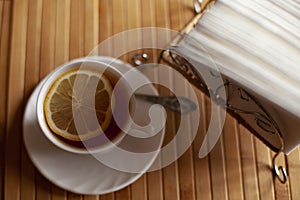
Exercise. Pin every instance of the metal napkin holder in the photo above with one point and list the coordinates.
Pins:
(241, 103)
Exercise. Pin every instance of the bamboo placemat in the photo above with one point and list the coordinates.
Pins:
(38, 35)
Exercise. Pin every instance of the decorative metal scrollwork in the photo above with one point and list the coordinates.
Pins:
(239, 101)
(261, 116)
(184, 67)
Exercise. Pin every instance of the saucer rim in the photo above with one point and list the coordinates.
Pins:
(35, 162)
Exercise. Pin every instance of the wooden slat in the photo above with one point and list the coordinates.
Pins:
(134, 21)
(105, 26)
(293, 161)
(250, 184)
(62, 32)
(28, 189)
(185, 162)
(188, 12)
(218, 172)
(1, 16)
(119, 16)
(5, 12)
(91, 197)
(73, 196)
(134, 14)
(282, 191)
(77, 29)
(201, 166)
(232, 159)
(43, 187)
(110, 196)
(264, 171)
(105, 20)
(139, 188)
(218, 168)
(33, 46)
(48, 37)
(119, 24)
(148, 13)
(186, 173)
(15, 97)
(162, 18)
(170, 173)
(155, 185)
(58, 193)
(91, 25)
(123, 194)
(162, 13)
(148, 17)
(154, 179)
(119, 20)
(176, 15)
(216, 158)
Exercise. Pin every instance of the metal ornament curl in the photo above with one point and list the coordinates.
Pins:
(262, 117)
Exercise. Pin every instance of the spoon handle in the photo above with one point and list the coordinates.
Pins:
(179, 104)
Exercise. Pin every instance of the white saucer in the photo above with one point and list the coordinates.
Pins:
(81, 174)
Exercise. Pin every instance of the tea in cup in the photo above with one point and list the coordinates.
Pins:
(77, 104)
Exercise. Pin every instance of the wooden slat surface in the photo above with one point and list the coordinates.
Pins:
(36, 36)
(233, 160)
(28, 189)
(5, 12)
(249, 171)
(154, 179)
(15, 99)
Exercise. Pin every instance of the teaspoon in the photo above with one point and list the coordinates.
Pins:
(179, 104)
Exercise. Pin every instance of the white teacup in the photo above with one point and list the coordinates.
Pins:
(97, 144)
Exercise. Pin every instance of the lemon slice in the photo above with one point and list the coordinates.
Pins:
(78, 104)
